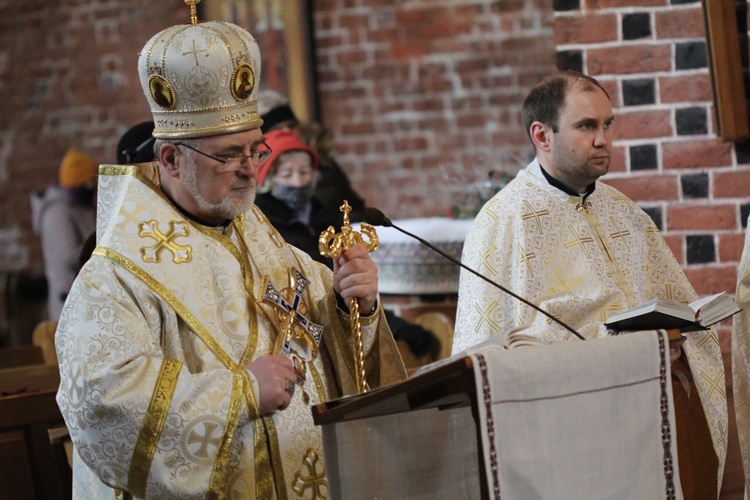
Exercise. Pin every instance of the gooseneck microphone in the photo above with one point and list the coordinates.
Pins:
(375, 217)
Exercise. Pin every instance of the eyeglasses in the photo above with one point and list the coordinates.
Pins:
(234, 163)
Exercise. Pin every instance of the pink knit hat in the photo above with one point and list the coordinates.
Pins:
(283, 141)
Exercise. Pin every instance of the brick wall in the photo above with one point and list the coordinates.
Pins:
(422, 97)
(67, 78)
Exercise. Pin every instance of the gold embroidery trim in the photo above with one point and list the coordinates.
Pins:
(153, 424)
(253, 307)
(318, 382)
(369, 320)
(247, 390)
(264, 485)
(122, 170)
(219, 474)
(276, 463)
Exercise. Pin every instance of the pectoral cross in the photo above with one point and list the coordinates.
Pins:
(332, 245)
(291, 310)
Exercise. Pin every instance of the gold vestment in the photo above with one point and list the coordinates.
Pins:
(154, 343)
(741, 361)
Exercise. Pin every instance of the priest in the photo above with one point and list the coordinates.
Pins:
(582, 251)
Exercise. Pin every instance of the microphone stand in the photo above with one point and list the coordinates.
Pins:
(377, 218)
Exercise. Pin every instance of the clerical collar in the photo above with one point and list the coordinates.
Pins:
(581, 205)
(222, 228)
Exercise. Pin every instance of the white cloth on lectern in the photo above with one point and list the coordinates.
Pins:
(575, 420)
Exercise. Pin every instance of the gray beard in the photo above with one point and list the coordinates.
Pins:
(226, 208)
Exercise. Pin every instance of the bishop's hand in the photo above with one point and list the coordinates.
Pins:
(274, 375)
(356, 275)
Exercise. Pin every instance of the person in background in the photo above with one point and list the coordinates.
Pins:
(137, 144)
(333, 185)
(582, 251)
(64, 215)
(195, 341)
(287, 183)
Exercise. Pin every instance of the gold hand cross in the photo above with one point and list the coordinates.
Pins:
(332, 245)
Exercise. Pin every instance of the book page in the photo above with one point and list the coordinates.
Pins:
(519, 339)
(700, 303)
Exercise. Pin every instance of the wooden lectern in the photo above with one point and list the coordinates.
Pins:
(444, 396)
(587, 419)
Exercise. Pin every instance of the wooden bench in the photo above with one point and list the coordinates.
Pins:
(30, 465)
(12, 357)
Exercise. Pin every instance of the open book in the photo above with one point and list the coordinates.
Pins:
(668, 314)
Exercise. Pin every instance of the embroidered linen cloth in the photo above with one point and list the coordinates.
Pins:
(578, 420)
(571, 420)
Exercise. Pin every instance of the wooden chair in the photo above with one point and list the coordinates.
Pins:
(43, 336)
(441, 325)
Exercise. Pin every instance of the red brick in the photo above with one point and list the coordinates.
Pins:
(701, 217)
(606, 4)
(646, 187)
(730, 247)
(686, 88)
(617, 162)
(732, 184)
(626, 59)
(408, 50)
(708, 280)
(675, 243)
(354, 22)
(642, 124)
(696, 154)
(679, 23)
(409, 17)
(591, 28)
(410, 144)
(613, 89)
(362, 128)
(724, 330)
(433, 22)
(347, 57)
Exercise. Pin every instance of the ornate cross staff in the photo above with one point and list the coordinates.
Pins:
(332, 245)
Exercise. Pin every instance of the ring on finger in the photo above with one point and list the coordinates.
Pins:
(289, 387)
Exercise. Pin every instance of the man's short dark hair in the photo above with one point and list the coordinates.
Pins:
(545, 100)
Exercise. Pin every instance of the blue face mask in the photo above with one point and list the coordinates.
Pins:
(295, 197)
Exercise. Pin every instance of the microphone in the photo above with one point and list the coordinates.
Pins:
(375, 217)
